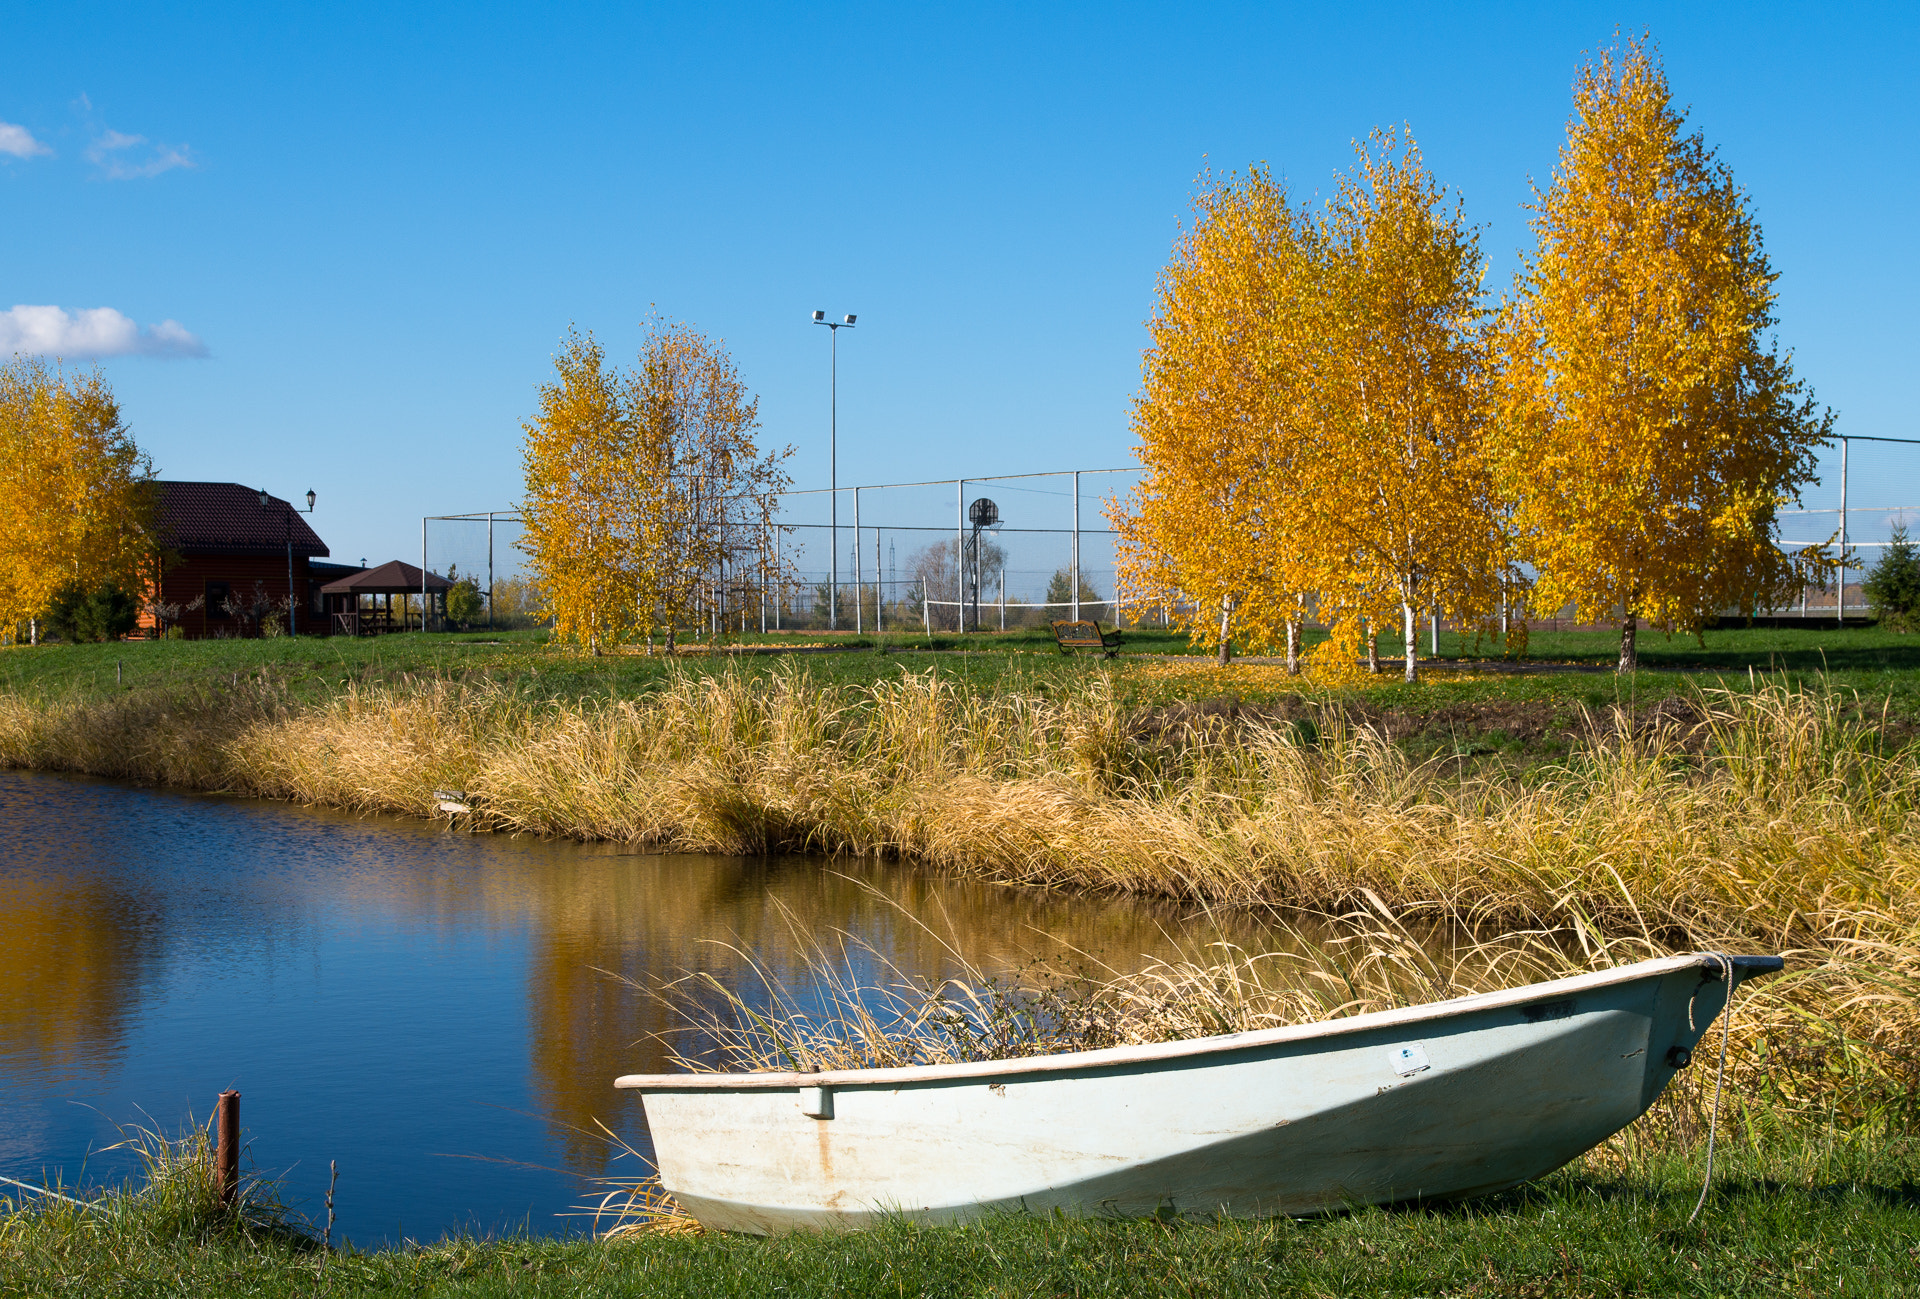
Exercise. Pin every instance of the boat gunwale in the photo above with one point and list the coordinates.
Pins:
(1740, 966)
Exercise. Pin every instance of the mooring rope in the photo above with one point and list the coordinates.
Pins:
(1713, 1115)
(41, 1190)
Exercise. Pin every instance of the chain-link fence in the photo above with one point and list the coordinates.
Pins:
(484, 548)
(991, 553)
(1867, 490)
(872, 558)
(929, 556)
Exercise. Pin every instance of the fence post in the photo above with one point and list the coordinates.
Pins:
(1073, 580)
(960, 554)
(879, 588)
(1840, 596)
(226, 1149)
(489, 570)
(859, 594)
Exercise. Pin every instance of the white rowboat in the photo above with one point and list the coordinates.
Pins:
(1440, 1101)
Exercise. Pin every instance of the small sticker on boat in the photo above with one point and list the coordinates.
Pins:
(1409, 1060)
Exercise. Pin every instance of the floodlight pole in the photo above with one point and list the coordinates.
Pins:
(1840, 596)
(833, 465)
(960, 554)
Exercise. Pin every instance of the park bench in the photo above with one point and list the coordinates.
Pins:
(1076, 635)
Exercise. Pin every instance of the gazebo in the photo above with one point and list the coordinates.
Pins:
(354, 601)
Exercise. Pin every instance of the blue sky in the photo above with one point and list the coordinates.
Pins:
(370, 226)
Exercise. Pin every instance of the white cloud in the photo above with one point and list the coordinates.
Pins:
(130, 157)
(91, 332)
(18, 142)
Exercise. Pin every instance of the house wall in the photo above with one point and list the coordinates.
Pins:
(191, 577)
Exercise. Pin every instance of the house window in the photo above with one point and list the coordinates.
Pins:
(217, 593)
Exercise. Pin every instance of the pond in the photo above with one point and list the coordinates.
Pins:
(438, 1012)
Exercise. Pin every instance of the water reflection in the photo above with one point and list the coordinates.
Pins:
(71, 957)
(408, 1000)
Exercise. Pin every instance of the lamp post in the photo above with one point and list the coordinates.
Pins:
(833, 467)
(293, 606)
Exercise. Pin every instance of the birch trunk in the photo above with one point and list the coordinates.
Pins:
(1412, 636)
(1293, 648)
(1629, 647)
(1226, 622)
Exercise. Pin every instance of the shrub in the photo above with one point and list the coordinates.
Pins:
(80, 613)
(465, 603)
(1893, 584)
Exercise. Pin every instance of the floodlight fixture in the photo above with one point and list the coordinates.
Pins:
(850, 320)
(819, 317)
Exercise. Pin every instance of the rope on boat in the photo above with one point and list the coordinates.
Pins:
(1713, 1115)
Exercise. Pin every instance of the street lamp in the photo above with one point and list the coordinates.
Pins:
(833, 468)
(293, 606)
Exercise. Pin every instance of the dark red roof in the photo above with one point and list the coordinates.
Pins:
(394, 577)
(227, 517)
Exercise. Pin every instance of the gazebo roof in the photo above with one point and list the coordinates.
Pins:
(394, 577)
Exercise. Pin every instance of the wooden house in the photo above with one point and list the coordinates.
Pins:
(231, 556)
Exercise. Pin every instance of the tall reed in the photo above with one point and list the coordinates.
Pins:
(1777, 815)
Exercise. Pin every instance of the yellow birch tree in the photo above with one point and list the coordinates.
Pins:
(1403, 401)
(1216, 530)
(700, 498)
(76, 493)
(646, 495)
(1650, 430)
(572, 459)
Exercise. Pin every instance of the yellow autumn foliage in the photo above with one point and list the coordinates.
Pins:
(1312, 413)
(1650, 429)
(76, 500)
(647, 499)
(1219, 530)
(1332, 429)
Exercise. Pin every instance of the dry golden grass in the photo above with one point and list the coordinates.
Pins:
(1782, 822)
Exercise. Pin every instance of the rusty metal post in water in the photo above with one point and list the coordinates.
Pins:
(226, 1151)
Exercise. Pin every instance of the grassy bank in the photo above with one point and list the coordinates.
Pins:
(1855, 658)
(1790, 1215)
(1764, 817)
(1766, 811)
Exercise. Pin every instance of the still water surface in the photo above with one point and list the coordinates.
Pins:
(430, 1009)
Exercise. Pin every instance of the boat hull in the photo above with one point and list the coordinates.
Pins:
(1454, 1099)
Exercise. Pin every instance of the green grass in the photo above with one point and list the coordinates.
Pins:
(1792, 1222)
(1480, 710)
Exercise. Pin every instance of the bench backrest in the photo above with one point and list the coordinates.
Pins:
(1078, 635)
